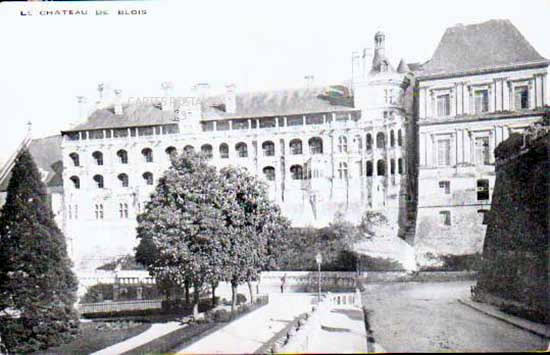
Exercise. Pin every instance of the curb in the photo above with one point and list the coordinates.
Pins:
(519, 323)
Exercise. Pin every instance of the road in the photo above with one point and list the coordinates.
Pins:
(426, 317)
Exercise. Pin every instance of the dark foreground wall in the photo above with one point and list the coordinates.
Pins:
(516, 248)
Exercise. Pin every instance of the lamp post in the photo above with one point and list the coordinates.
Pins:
(319, 260)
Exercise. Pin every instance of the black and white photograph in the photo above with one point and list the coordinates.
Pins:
(265, 177)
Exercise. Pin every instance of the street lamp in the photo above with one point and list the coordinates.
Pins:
(319, 260)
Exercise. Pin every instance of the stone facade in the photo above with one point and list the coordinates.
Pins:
(317, 155)
(463, 114)
(516, 250)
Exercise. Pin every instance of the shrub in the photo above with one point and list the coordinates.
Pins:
(241, 298)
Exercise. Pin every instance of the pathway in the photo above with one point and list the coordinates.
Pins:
(248, 333)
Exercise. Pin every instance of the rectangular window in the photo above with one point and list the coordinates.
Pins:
(482, 101)
(267, 123)
(483, 153)
(445, 218)
(482, 189)
(444, 152)
(445, 186)
(145, 131)
(521, 97)
(132, 132)
(295, 121)
(157, 130)
(97, 134)
(120, 132)
(314, 119)
(443, 105)
(75, 211)
(222, 126)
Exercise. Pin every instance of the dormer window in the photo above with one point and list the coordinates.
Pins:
(384, 67)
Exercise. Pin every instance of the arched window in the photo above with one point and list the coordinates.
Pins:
(206, 149)
(224, 151)
(295, 147)
(342, 144)
(342, 170)
(242, 149)
(188, 149)
(399, 138)
(76, 182)
(358, 143)
(122, 156)
(148, 177)
(171, 151)
(369, 168)
(296, 172)
(123, 178)
(380, 140)
(315, 145)
(400, 166)
(147, 155)
(269, 148)
(392, 166)
(369, 141)
(381, 167)
(99, 181)
(98, 156)
(75, 158)
(269, 173)
(392, 138)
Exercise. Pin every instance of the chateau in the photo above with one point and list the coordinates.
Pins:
(413, 141)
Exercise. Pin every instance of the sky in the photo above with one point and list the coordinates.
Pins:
(47, 61)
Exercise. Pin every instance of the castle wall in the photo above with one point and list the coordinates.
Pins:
(456, 156)
(516, 250)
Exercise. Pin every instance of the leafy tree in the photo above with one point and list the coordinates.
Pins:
(37, 286)
(257, 227)
(184, 222)
(202, 226)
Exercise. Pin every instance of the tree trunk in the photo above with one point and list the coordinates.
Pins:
(251, 291)
(214, 285)
(195, 300)
(233, 297)
(186, 285)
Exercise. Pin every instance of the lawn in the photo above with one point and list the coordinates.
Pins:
(95, 336)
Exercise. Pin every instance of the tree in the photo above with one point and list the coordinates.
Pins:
(186, 226)
(257, 227)
(202, 226)
(37, 286)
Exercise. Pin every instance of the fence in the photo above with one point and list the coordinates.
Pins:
(107, 307)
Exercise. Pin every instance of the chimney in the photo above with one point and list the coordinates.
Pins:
(230, 99)
(81, 100)
(118, 102)
(201, 90)
(367, 62)
(100, 89)
(309, 81)
(167, 103)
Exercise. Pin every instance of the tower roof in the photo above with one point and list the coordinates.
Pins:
(481, 46)
(403, 67)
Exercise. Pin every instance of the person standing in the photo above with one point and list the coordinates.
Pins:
(283, 281)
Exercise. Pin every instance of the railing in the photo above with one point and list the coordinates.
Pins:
(106, 307)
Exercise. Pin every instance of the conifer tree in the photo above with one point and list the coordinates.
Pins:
(37, 286)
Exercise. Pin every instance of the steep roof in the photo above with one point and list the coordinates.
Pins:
(134, 115)
(248, 105)
(486, 45)
(46, 153)
(403, 67)
(276, 103)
